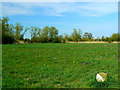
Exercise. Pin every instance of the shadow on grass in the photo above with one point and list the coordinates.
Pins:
(95, 84)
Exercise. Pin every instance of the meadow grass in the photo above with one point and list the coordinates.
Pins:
(59, 65)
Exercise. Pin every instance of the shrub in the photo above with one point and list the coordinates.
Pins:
(64, 41)
(7, 39)
(26, 40)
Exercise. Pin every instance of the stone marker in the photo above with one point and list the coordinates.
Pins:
(101, 77)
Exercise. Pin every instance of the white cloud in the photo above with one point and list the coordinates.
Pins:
(8, 10)
(99, 9)
(58, 9)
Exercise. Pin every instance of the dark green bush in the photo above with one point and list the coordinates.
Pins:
(7, 39)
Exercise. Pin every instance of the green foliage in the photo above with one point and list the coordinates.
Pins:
(85, 39)
(76, 35)
(56, 39)
(87, 35)
(18, 30)
(115, 37)
(7, 39)
(11, 33)
(103, 38)
(27, 40)
(53, 35)
(70, 39)
(36, 39)
(64, 41)
(7, 32)
(5, 25)
(66, 37)
(47, 34)
(107, 39)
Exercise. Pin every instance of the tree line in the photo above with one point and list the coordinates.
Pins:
(11, 34)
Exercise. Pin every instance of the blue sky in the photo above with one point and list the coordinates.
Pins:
(98, 18)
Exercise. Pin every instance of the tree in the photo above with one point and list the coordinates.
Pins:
(7, 39)
(44, 34)
(61, 39)
(90, 35)
(11, 30)
(65, 35)
(79, 33)
(39, 32)
(76, 35)
(18, 30)
(108, 39)
(98, 38)
(22, 35)
(35, 34)
(26, 40)
(56, 39)
(115, 37)
(53, 34)
(5, 25)
(7, 31)
(103, 38)
(85, 35)
(33, 31)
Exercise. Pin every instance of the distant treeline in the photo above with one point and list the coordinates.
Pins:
(11, 34)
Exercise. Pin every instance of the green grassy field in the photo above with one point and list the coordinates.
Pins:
(63, 65)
